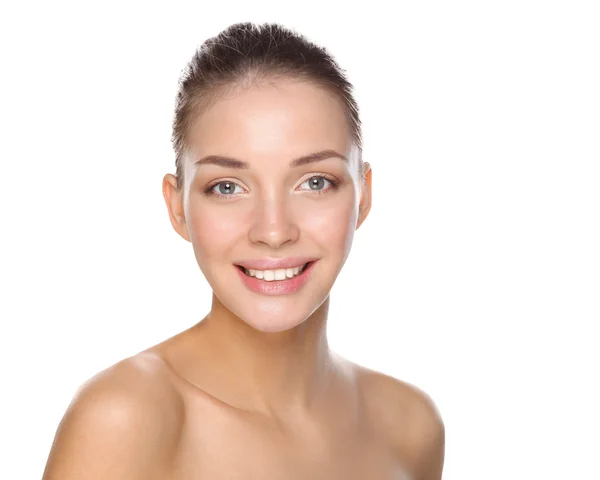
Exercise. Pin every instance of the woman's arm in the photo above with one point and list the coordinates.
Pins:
(429, 444)
(424, 436)
(122, 424)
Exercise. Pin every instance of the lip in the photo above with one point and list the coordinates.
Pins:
(277, 287)
(275, 263)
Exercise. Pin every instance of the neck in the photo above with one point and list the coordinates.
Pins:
(274, 373)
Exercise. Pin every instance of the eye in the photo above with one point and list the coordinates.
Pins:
(224, 189)
(318, 184)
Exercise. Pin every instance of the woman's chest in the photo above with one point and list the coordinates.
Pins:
(223, 448)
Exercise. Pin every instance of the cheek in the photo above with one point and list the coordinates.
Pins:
(212, 230)
(332, 224)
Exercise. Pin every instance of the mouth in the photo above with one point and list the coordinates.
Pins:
(275, 275)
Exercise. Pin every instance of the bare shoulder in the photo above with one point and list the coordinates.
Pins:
(409, 419)
(123, 423)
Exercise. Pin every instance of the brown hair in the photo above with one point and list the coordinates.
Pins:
(245, 53)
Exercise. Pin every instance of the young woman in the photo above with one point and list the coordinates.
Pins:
(269, 189)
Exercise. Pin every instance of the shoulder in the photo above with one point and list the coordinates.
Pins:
(122, 423)
(409, 420)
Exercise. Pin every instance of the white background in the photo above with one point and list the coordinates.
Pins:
(476, 276)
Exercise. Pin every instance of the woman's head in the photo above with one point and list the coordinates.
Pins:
(269, 167)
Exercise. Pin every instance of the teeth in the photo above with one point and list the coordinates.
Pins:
(271, 275)
(279, 274)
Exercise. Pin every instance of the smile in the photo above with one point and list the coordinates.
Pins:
(280, 281)
(275, 275)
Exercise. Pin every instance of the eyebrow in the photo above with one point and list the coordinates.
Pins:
(229, 162)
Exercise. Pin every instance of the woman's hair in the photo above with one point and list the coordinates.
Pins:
(246, 53)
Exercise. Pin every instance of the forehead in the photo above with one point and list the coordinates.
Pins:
(272, 121)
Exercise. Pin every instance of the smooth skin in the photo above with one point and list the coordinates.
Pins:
(253, 390)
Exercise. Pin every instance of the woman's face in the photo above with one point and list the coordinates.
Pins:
(246, 202)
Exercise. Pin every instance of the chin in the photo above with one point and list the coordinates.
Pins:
(273, 315)
(276, 324)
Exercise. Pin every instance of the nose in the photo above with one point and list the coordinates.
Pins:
(273, 223)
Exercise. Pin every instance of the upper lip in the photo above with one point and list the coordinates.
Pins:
(275, 263)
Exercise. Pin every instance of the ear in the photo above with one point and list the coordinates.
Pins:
(174, 200)
(364, 207)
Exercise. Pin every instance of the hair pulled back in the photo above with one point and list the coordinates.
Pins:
(245, 53)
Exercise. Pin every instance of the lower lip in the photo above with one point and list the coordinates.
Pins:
(277, 287)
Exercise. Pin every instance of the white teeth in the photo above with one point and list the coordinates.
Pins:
(271, 275)
(279, 274)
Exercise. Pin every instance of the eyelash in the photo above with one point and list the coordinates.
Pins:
(334, 184)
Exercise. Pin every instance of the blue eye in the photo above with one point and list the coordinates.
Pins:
(318, 184)
(224, 189)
